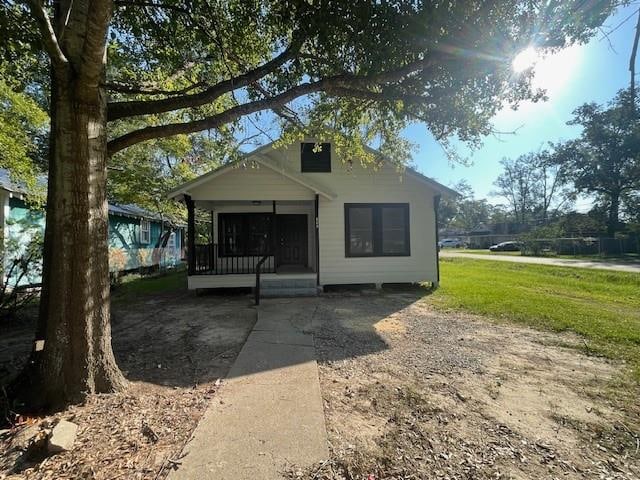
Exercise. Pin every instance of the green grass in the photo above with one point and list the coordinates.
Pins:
(135, 285)
(481, 251)
(602, 306)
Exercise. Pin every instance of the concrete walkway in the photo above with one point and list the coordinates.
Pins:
(558, 262)
(268, 414)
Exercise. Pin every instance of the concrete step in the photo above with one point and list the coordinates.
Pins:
(287, 283)
(289, 292)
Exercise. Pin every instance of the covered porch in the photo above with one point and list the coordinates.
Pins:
(277, 239)
(252, 218)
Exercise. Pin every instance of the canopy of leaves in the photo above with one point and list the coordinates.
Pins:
(465, 213)
(360, 70)
(23, 135)
(355, 73)
(605, 160)
(535, 188)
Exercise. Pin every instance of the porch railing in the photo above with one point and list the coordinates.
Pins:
(210, 262)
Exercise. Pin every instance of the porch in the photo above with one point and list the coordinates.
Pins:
(241, 243)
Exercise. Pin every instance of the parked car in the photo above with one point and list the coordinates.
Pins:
(450, 243)
(505, 247)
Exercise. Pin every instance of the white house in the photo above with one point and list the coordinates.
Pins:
(306, 219)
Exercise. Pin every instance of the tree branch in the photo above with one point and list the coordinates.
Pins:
(341, 85)
(47, 33)
(129, 89)
(117, 110)
(164, 6)
(213, 121)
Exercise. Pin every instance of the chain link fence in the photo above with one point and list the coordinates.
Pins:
(602, 246)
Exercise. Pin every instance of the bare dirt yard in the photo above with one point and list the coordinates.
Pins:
(409, 391)
(174, 348)
(413, 392)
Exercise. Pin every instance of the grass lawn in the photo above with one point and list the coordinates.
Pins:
(602, 306)
(480, 251)
(134, 284)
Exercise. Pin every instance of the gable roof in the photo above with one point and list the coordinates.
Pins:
(435, 185)
(295, 177)
(302, 180)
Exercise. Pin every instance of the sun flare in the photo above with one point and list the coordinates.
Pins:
(551, 72)
(527, 58)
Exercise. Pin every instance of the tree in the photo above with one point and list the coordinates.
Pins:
(22, 136)
(605, 160)
(519, 185)
(536, 188)
(464, 212)
(361, 69)
(555, 192)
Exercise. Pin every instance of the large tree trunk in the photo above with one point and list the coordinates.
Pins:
(77, 357)
(74, 310)
(613, 215)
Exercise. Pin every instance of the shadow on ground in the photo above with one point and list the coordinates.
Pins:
(176, 338)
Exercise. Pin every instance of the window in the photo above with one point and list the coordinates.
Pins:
(171, 243)
(244, 234)
(376, 229)
(315, 157)
(145, 231)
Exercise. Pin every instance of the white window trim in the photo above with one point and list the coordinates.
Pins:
(145, 231)
(171, 243)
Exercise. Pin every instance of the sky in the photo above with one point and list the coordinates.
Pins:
(593, 72)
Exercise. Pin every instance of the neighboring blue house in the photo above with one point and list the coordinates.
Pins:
(138, 238)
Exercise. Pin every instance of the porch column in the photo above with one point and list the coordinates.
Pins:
(212, 260)
(191, 235)
(317, 230)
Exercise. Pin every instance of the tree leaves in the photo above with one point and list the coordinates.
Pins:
(23, 134)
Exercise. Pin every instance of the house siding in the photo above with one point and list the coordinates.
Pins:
(358, 184)
(350, 184)
(127, 252)
(20, 223)
(253, 182)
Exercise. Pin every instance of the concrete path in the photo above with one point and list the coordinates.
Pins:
(268, 414)
(558, 262)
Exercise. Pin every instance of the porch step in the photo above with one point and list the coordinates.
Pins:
(289, 292)
(288, 287)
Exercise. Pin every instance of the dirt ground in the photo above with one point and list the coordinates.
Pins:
(174, 349)
(411, 392)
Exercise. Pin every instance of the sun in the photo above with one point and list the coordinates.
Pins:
(551, 71)
(526, 59)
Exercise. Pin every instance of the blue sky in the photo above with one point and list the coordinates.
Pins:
(586, 73)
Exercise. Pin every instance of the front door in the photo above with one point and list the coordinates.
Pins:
(292, 239)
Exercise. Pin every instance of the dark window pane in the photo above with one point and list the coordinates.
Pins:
(258, 239)
(394, 230)
(361, 230)
(232, 234)
(377, 229)
(315, 157)
(245, 234)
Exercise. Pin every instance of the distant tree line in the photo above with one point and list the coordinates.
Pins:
(540, 188)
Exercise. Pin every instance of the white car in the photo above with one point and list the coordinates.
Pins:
(450, 243)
